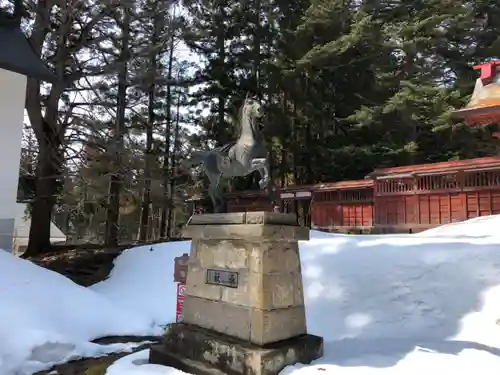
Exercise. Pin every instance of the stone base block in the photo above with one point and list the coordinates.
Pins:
(199, 351)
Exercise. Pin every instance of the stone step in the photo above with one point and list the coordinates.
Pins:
(199, 351)
(160, 356)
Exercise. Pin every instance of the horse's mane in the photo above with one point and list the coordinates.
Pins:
(239, 116)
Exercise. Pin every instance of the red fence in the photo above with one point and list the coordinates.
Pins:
(410, 198)
(424, 196)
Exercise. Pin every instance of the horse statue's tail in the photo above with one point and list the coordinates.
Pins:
(197, 158)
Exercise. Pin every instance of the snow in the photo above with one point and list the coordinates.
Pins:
(482, 226)
(142, 280)
(392, 304)
(137, 364)
(46, 318)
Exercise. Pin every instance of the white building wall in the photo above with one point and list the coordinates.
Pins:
(12, 100)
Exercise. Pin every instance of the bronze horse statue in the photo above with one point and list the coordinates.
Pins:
(239, 158)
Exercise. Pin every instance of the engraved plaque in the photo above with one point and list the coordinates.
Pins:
(222, 278)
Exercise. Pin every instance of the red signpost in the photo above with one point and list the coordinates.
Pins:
(180, 301)
(180, 276)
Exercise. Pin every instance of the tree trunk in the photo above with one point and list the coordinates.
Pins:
(41, 210)
(257, 50)
(166, 157)
(295, 152)
(173, 168)
(48, 135)
(255, 85)
(284, 162)
(308, 160)
(146, 197)
(221, 54)
(116, 181)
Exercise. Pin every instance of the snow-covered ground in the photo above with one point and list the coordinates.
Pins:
(392, 304)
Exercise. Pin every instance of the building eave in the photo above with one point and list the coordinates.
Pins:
(18, 56)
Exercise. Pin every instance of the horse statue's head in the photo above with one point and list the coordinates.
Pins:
(251, 111)
(252, 108)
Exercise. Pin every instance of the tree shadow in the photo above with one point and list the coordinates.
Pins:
(387, 296)
(386, 353)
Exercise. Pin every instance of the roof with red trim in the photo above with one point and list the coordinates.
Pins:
(340, 185)
(492, 162)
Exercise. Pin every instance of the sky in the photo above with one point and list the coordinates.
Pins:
(182, 52)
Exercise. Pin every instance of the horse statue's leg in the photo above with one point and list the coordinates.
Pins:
(262, 165)
(214, 192)
(266, 181)
(270, 190)
(221, 207)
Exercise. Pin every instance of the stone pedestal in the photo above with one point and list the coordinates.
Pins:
(243, 306)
